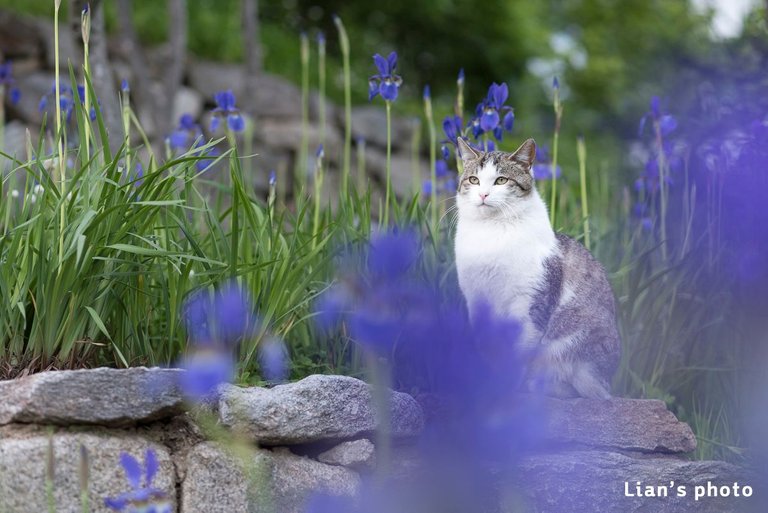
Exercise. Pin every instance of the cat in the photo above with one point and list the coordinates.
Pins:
(509, 257)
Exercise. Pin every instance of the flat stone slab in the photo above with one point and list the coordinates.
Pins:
(628, 424)
(606, 482)
(316, 408)
(355, 453)
(259, 481)
(104, 396)
(23, 456)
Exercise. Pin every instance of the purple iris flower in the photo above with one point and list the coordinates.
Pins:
(667, 123)
(385, 83)
(219, 319)
(142, 496)
(542, 169)
(272, 178)
(6, 80)
(226, 108)
(441, 168)
(206, 157)
(492, 115)
(185, 134)
(453, 127)
(67, 96)
(205, 370)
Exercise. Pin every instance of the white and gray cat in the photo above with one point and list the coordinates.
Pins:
(509, 257)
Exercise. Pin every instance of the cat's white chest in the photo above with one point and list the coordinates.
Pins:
(501, 264)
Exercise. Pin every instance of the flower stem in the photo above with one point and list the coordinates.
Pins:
(61, 164)
(555, 144)
(581, 152)
(300, 171)
(321, 86)
(432, 162)
(318, 183)
(344, 43)
(662, 190)
(388, 194)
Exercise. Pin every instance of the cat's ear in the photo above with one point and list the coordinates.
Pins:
(526, 153)
(467, 152)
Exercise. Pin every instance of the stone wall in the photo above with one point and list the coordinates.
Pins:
(277, 107)
(286, 442)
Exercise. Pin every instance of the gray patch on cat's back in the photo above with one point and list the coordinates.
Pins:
(547, 295)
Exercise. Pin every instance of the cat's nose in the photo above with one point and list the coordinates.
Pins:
(483, 195)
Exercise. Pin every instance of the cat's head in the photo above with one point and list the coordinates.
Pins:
(495, 183)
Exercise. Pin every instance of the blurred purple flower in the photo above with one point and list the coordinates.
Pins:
(219, 319)
(453, 127)
(441, 168)
(141, 497)
(226, 108)
(204, 370)
(273, 359)
(542, 168)
(186, 133)
(385, 83)
(426, 187)
(272, 178)
(7, 81)
(489, 112)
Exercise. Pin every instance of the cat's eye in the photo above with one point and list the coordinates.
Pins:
(501, 180)
(474, 180)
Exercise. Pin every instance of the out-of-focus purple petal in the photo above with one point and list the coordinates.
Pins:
(441, 168)
(273, 359)
(667, 124)
(235, 122)
(132, 469)
(509, 121)
(392, 62)
(489, 120)
(388, 90)
(381, 64)
(151, 466)
(373, 89)
(215, 122)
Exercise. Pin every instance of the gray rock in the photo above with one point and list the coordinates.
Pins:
(595, 481)
(112, 397)
(15, 143)
(213, 481)
(355, 453)
(316, 408)
(406, 180)
(23, 456)
(286, 134)
(19, 35)
(33, 87)
(186, 101)
(370, 123)
(275, 98)
(258, 481)
(294, 478)
(627, 424)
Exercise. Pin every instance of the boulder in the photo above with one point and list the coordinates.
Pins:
(606, 482)
(24, 453)
(276, 97)
(355, 453)
(259, 481)
(369, 122)
(317, 408)
(110, 397)
(625, 424)
(33, 87)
